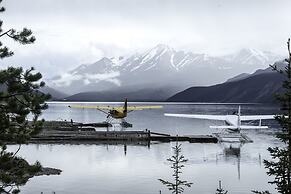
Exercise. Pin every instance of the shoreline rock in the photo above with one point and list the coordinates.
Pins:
(48, 171)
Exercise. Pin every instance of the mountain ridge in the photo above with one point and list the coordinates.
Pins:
(158, 68)
(258, 87)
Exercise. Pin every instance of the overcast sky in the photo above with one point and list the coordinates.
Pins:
(71, 32)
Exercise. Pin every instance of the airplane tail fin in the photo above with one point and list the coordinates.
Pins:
(125, 106)
(239, 120)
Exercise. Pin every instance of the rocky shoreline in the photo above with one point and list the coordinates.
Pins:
(48, 171)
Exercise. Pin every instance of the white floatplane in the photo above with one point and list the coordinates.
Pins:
(233, 122)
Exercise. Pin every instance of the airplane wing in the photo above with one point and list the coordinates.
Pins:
(223, 127)
(256, 117)
(94, 107)
(132, 108)
(207, 117)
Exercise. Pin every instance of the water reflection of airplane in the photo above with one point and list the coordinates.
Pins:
(231, 151)
(116, 112)
(233, 122)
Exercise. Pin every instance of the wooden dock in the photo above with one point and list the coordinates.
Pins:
(55, 135)
(129, 136)
(67, 133)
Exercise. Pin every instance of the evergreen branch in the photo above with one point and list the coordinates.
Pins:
(6, 33)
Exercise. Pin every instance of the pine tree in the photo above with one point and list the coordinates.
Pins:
(177, 161)
(220, 190)
(22, 37)
(19, 97)
(280, 165)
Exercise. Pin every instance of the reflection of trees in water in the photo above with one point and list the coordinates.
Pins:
(14, 172)
(220, 190)
(177, 160)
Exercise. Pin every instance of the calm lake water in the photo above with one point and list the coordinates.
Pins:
(135, 169)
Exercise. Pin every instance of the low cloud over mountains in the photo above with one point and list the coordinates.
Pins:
(160, 68)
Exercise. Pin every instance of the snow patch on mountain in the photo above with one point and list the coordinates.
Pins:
(162, 65)
(252, 56)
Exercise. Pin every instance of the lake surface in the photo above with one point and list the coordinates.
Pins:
(135, 169)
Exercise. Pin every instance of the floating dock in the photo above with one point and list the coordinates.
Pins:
(66, 132)
(97, 136)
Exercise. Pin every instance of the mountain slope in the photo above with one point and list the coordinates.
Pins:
(56, 95)
(239, 77)
(118, 95)
(159, 68)
(257, 88)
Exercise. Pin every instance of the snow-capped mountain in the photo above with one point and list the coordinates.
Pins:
(252, 57)
(160, 67)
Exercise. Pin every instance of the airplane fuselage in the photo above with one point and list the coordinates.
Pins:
(117, 114)
(233, 120)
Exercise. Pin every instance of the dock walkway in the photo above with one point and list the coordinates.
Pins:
(65, 135)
